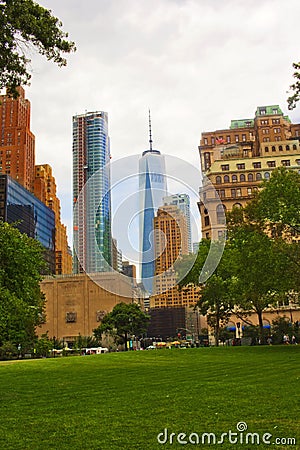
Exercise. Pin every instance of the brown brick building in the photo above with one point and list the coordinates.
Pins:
(17, 159)
(45, 190)
(237, 159)
(17, 143)
(171, 242)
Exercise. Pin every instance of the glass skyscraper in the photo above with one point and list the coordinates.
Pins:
(32, 217)
(91, 193)
(152, 189)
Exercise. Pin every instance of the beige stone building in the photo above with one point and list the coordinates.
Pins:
(236, 160)
(76, 304)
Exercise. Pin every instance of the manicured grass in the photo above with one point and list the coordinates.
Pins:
(123, 400)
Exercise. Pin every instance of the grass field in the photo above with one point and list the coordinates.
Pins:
(124, 400)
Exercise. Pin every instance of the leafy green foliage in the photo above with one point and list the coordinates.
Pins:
(277, 205)
(126, 319)
(25, 24)
(216, 293)
(260, 265)
(21, 300)
(295, 88)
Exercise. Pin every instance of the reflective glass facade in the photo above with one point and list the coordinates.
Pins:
(34, 217)
(152, 188)
(92, 216)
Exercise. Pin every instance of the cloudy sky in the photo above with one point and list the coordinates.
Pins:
(196, 63)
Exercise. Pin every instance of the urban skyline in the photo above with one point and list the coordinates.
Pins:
(196, 64)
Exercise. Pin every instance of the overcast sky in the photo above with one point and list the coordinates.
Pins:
(196, 63)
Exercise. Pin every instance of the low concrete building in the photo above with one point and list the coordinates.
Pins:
(76, 304)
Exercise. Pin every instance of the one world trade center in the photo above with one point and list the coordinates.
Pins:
(152, 189)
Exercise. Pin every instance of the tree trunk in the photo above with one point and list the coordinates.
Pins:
(217, 329)
(125, 342)
(261, 327)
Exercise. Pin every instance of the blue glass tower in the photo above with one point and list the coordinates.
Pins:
(152, 189)
(91, 188)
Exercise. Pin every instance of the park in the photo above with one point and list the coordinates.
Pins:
(126, 400)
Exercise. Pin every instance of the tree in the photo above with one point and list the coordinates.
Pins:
(215, 296)
(21, 300)
(25, 24)
(276, 207)
(125, 320)
(262, 270)
(295, 88)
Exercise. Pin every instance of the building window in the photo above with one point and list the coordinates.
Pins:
(294, 147)
(228, 139)
(276, 130)
(273, 148)
(275, 111)
(280, 148)
(218, 180)
(207, 160)
(243, 137)
(205, 141)
(226, 179)
(266, 139)
(206, 221)
(271, 163)
(267, 175)
(236, 138)
(222, 193)
(242, 178)
(221, 214)
(286, 162)
(225, 167)
(234, 178)
(249, 191)
(266, 149)
(298, 162)
(250, 177)
(238, 192)
(233, 193)
(240, 166)
(258, 176)
(276, 121)
(265, 130)
(287, 147)
(212, 141)
(257, 165)
(264, 122)
(277, 138)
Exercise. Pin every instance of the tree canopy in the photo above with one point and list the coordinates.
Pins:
(21, 300)
(294, 98)
(25, 24)
(125, 320)
(277, 206)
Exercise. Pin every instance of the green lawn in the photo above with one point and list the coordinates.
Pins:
(124, 400)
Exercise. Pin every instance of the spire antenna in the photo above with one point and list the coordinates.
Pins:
(150, 131)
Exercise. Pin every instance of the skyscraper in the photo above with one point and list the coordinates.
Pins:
(17, 144)
(92, 213)
(45, 190)
(152, 189)
(182, 201)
